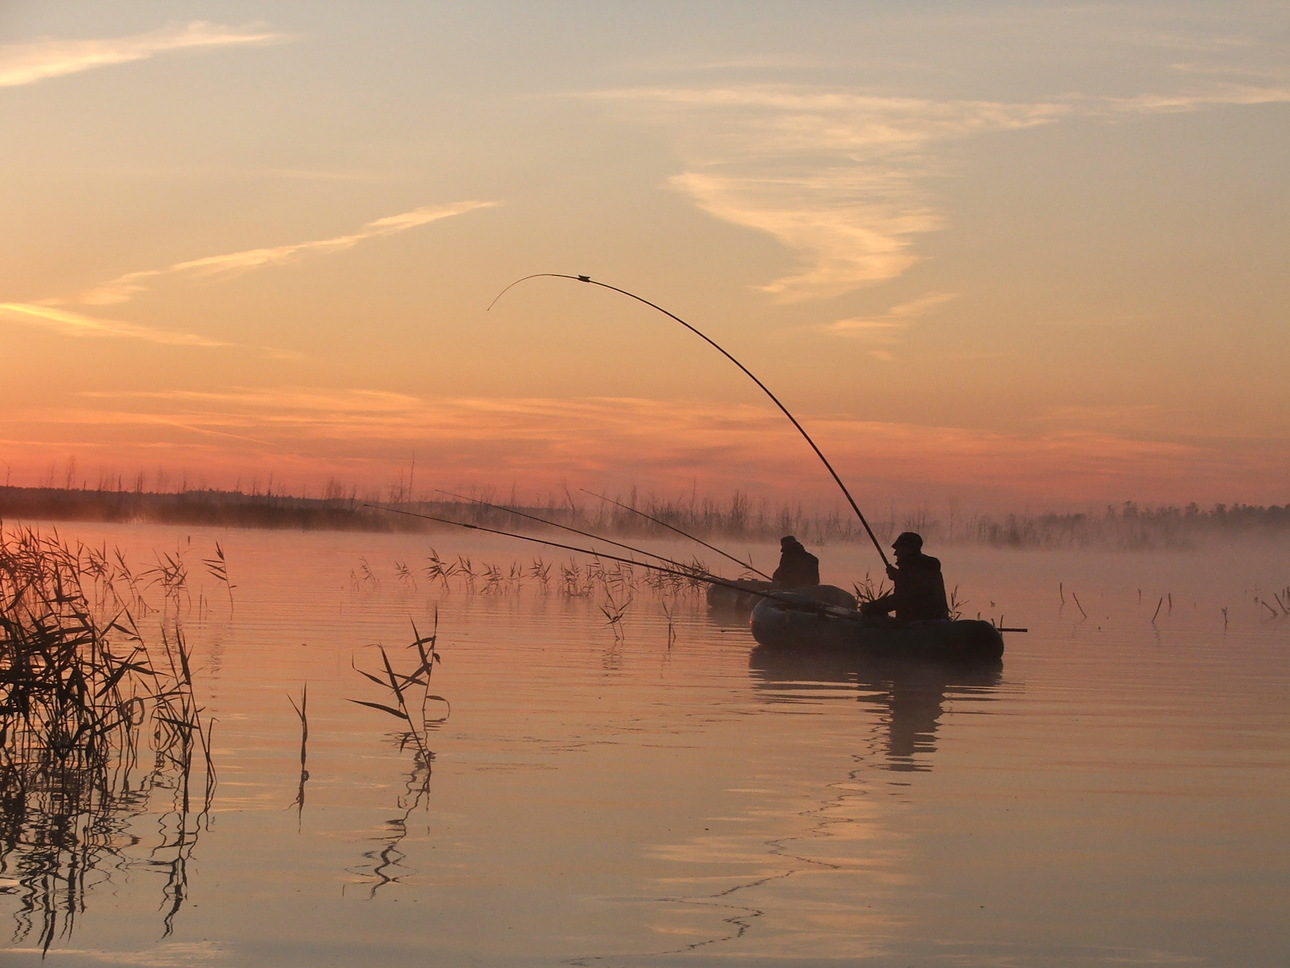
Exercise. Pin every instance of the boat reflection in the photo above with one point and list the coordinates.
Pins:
(909, 695)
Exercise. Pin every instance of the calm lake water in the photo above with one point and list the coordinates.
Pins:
(660, 794)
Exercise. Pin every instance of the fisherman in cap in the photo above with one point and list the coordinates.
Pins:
(798, 568)
(919, 594)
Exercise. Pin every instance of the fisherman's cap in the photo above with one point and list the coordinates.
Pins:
(908, 539)
(787, 540)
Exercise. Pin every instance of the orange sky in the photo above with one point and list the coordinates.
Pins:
(997, 257)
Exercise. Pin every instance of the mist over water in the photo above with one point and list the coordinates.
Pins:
(655, 790)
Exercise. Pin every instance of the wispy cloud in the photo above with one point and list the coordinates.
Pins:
(846, 236)
(78, 324)
(1241, 95)
(885, 329)
(845, 180)
(836, 176)
(274, 400)
(49, 314)
(125, 287)
(47, 57)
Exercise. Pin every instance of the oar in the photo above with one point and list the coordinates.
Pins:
(628, 507)
(800, 429)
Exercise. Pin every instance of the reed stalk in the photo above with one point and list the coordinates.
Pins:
(217, 567)
(302, 712)
(1075, 598)
(614, 611)
(409, 692)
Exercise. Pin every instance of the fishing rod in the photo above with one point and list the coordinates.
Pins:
(563, 527)
(680, 571)
(628, 507)
(796, 604)
(747, 372)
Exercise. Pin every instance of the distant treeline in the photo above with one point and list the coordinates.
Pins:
(231, 509)
(1126, 526)
(1129, 526)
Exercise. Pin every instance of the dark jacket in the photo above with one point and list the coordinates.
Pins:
(798, 568)
(919, 594)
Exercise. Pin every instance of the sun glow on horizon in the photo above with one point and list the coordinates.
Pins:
(536, 447)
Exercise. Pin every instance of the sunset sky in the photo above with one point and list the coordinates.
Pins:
(1022, 255)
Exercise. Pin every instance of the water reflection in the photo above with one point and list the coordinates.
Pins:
(384, 863)
(65, 832)
(409, 697)
(909, 695)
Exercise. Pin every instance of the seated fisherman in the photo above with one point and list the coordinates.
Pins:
(919, 594)
(798, 568)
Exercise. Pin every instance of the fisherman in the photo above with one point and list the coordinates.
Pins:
(919, 594)
(798, 568)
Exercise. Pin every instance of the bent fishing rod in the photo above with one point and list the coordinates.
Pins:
(628, 507)
(747, 372)
(564, 527)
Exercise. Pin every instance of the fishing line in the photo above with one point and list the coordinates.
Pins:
(647, 517)
(565, 527)
(682, 571)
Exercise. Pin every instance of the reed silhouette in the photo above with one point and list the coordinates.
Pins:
(85, 700)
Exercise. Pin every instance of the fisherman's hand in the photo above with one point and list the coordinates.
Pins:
(891, 572)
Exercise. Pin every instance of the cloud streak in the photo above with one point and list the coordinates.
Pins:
(78, 324)
(50, 315)
(125, 287)
(39, 60)
(1225, 95)
(840, 178)
(885, 329)
(835, 176)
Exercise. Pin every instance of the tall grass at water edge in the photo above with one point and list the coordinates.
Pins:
(95, 721)
(100, 725)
